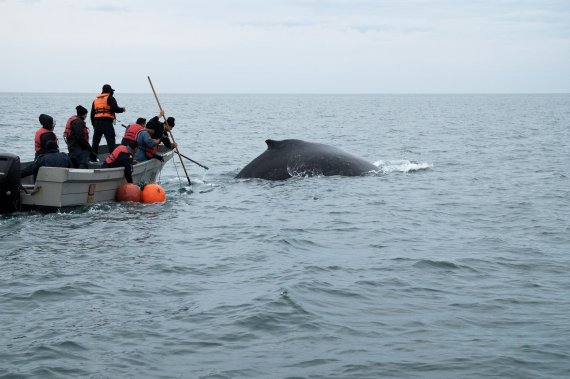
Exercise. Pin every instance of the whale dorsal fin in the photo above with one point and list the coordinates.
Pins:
(272, 144)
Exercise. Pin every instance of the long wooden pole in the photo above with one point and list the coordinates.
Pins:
(169, 131)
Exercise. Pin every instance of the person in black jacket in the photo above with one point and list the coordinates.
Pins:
(77, 138)
(168, 125)
(51, 158)
(161, 129)
(103, 112)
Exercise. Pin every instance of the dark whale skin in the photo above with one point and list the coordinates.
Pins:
(293, 157)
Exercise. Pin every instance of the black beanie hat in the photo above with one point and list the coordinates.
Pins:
(81, 110)
(170, 121)
(46, 121)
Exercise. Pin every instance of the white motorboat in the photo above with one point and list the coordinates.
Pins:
(56, 188)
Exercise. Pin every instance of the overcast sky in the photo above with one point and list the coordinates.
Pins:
(286, 46)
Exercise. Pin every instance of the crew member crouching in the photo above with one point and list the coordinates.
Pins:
(122, 156)
(147, 141)
(168, 125)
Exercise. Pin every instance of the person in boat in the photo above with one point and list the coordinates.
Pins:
(42, 134)
(148, 140)
(76, 135)
(168, 125)
(122, 156)
(156, 124)
(132, 131)
(103, 112)
(51, 157)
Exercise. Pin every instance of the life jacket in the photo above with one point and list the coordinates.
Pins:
(67, 131)
(115, 154)
(101, 108)
(150, 151)
(37, 140)
(132, 132)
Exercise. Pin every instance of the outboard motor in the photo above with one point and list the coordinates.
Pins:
(9, 183)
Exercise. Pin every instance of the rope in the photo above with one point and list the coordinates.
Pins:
(177, 174)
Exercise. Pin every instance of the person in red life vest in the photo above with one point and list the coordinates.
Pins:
(148, 143)
(122, 156)
(103, 112)
(76, 135)
(51, 157)
(41, 138)
(133, 130)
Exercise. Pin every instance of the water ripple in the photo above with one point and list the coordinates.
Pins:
(450, 262)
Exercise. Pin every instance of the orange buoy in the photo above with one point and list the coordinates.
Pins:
(153, 193)
(128, 192)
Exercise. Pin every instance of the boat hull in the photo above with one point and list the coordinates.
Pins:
(56, 188)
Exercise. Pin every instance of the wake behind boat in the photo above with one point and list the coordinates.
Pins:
(56, 188)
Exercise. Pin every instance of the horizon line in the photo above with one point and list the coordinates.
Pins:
(296, 93)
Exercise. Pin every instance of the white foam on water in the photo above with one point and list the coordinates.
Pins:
(403, 165)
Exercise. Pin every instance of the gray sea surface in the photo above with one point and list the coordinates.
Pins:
(452, 262)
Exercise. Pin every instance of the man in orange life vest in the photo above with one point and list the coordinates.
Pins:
(42, 135)
(76, 135)
(122, 156)
(103, 116)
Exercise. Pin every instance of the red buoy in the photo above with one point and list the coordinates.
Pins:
(153, 193)
(128, 192)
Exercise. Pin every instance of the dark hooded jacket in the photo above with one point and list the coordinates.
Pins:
(51, 158)
(158, 126)
(78, 136)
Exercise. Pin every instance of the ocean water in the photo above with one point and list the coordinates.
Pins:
(451, 262)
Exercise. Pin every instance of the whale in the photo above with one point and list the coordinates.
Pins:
(293, 157)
